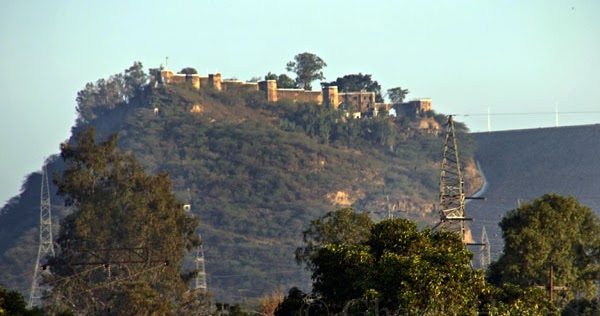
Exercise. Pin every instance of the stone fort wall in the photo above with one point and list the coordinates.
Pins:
(361, 102)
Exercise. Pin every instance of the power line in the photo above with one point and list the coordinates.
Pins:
(247, 275)
(533, 197)
(526, 113)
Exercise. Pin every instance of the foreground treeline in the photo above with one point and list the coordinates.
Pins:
(362, 267)
(392, 268)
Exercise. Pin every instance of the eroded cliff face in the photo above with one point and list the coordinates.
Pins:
(422, 206)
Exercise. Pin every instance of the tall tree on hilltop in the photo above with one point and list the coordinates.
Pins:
(357, 82)
(307, 67)
(188, 71)
(397, 95)
(135, 79)
(551, 230)
(283, 81)
(107, 94)
(121, 248)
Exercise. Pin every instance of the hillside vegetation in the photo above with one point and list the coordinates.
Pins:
(255, 174)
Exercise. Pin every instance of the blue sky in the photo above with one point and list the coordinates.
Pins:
(468, 56)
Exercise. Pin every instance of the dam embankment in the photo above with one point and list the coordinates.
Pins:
(521, 165)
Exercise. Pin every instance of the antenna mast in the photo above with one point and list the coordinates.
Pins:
(46, 245)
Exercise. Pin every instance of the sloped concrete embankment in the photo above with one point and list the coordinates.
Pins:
(521, 165)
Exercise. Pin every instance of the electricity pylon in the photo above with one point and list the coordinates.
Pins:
(485, 257)
(46, 244)
(200, 280)
(452, 195)
(199, 283)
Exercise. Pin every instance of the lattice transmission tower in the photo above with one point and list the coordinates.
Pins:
(46, 244)
(200, 280)
(452, 195)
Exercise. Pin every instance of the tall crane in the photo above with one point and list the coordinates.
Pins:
(46, 244)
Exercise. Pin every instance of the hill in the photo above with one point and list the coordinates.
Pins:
(255, 173)
(521, 165)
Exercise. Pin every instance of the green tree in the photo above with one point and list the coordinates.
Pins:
(135, 79)
(397, 95)
(294, 304)
(357, 82)
(121, 249)
(307, 67)
(510, 299)
(107, 94)
(283, 81)
(551, 230)
(86, 102)
(582, 307)
(343, 226)
(12, 303)
(391, 266)
(188, 71)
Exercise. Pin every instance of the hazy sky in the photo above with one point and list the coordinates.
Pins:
(468, 56)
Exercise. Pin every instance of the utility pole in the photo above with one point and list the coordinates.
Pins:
(551, 286)
(46, 244)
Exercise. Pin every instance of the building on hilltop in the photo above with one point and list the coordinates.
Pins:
(414, 107)
(357, 103)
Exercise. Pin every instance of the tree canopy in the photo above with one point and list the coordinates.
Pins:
(397, 95)
(390, 264)
(13, 303)
(106, 94)
(307, 67)
(283, 81)
(343, 226)
(362, 268)
(551, 230)
(121, 248)
(188, 71)
(357, 82)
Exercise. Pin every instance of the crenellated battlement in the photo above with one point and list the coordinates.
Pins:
(359, 102)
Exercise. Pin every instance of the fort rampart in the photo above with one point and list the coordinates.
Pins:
(358, 102)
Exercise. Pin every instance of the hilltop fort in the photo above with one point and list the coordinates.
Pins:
(358, 103)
